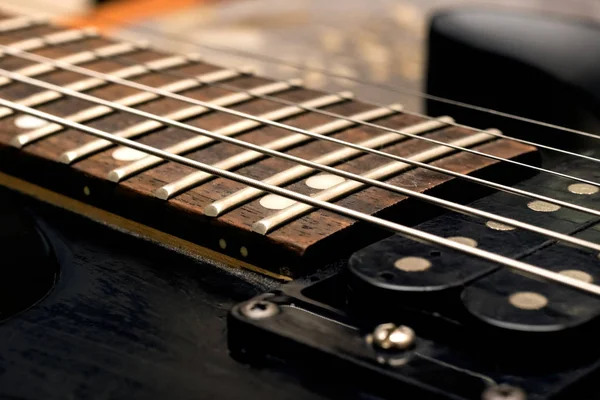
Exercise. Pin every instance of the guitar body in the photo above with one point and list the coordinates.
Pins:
(115, 315)
(127, 319)
(131, 319)
(471, 340)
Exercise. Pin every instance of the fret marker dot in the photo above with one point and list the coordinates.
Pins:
(29, 122)
(127, 154)
(542, 206)
(577, 274)
(412, 264)
(324, 181)
(222, 244)
(528, 300)
(583, 188)
(244, 251)
(275, 202)
(86, 191)
(464, 240)
(497, 226)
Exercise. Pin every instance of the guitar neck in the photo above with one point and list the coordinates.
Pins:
(210, 216)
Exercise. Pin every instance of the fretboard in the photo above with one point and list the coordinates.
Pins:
(212, 213)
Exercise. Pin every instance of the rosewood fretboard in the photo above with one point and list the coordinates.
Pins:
(172, 199)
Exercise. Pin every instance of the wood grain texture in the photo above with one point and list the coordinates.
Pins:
(310, 240)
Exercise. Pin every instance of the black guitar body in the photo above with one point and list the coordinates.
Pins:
(129, 319)
(112, 316)
(125, 319)
(470, 341)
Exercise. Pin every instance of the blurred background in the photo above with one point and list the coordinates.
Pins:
(380, 41)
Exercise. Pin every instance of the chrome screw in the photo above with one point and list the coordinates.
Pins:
(391, 337)
(504, 392)
(259, 309)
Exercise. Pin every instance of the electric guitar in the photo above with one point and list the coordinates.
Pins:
(175, 229)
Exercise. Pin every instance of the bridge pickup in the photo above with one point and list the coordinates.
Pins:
(510, 300)
(424, 282)
(402, 267)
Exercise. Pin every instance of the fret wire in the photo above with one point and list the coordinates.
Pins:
(297, 172)
(412, 233)
(197, 142)
(175, 96)
(198, 177)
(77, 58)
(335, 115)
(395, 89)
(51, 39)
(94, 83)
(98, 111)
(182, 114)
(301, 161)
(385, 171)
(498, 186)
(17, 23)
(320, 163)
(442, 170)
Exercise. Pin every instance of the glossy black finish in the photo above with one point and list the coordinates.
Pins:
(535, 65)
(459, 308)
(129, 320)
(567, 309)
(475, 293)
(29, 267)
(531, 65)
(313, 337)
(312, 341)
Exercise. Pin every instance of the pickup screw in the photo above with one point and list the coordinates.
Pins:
(259, 309)
(391, 337)
(503, 392)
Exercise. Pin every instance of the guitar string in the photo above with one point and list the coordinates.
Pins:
(411, 233)
(146, 88)
(365, 82)
(589, 211)
(559, 276)
(471, 210)
(122, 60)
(414, 163)
(178, 38)
(480, 181)
(408, 160)
(67, 124)
(386, 87)
(421, 196)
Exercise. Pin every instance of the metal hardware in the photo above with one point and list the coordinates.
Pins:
(259, 309)
(391, 337)
(504, 392)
